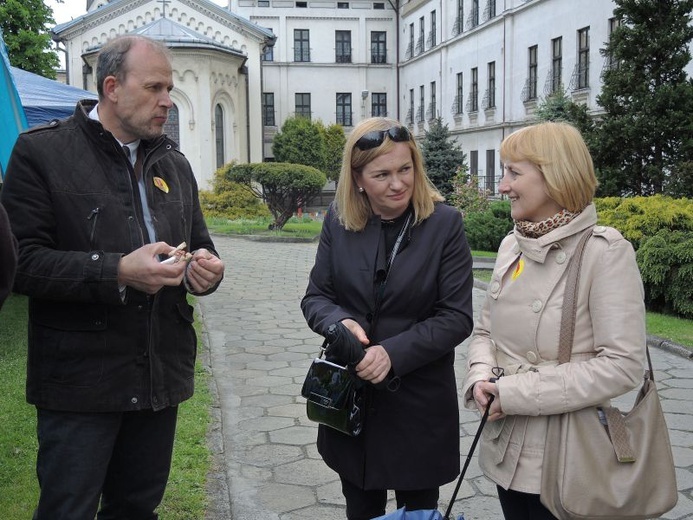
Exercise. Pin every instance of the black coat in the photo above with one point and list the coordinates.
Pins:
(69, 196)
(8, 256)
(411, 436)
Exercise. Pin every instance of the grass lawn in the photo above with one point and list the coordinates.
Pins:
(185, 498)
(304, 227)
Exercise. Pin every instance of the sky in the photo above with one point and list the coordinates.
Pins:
(70, 9)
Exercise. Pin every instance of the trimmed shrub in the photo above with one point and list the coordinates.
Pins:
(229, 199)
(283, 186)
(640, 217)
(485, 230)
(666, 265)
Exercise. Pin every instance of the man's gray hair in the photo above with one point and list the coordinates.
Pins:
(111, 58)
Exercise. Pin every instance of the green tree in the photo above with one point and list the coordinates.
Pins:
(24, 29)
(645, 137)
(300, 141)
(443, 157)
(557, 106)
(284, 187)
(334, 139)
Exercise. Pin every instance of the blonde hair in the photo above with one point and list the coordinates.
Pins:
(560, 153)
(353, 208)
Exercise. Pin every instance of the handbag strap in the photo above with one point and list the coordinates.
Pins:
(567, 333)
(390, 262)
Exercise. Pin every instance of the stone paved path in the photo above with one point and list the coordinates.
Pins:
(259, 349)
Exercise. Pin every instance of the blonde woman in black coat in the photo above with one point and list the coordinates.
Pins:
(410, 441)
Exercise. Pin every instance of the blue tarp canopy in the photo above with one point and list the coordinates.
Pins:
(12, 120)
(44, 99)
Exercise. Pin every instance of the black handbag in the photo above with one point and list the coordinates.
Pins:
(333, 395)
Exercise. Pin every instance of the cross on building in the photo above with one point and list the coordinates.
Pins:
(164, 3)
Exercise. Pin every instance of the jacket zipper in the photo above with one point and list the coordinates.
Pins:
(95, 216)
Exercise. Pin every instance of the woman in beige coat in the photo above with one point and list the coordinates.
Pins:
(550, 181)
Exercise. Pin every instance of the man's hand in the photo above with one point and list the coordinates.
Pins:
(142, 270)
(204, 271)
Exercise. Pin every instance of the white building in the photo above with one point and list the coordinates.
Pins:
(481, 65)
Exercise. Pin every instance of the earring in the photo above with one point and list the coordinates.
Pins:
(360, 189)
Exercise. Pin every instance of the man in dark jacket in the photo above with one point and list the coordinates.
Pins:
(97, 202)
(8, 256)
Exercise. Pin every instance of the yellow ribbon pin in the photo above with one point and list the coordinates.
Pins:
(161, 184)
(518, 268)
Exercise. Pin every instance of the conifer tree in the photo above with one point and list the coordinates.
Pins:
(644, 141)
(443, 157)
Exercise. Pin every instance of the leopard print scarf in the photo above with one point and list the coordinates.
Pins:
(539, 229)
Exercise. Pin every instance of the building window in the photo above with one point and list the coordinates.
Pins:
(490, 11)
(342, 5)
(458, 26)
(268, 109)
(531, 85)
(473, 19)
(379, 5)
(432, 42)
(421, 114)
(344, 109)
(302, 105)
(268, 53)
(219, 134)
(459, 96)
(474, 92)
(379, 104)
(474, 164)
(172, 126)
(263, 3)
(301, 45)
(302, 4)
(491, 92)
(491, 172)
(556, 64)
(343, 46)
(378, 47)
(410, 47)
(611, 61)
(583, 66)
(432, 108)
(422, 31)
(410, 114)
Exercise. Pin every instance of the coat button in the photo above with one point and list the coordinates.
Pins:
(495, 287)
(599, 229)
(536, 305)
(95, 256)
(516, 249)
(532, 357)
(133, 400)
(560, 257)
(369, 317)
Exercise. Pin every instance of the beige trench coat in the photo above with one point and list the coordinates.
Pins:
(518, 329)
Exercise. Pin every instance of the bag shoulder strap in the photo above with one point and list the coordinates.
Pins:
(567, 333)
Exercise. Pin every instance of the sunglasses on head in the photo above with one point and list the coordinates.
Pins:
(398, 134)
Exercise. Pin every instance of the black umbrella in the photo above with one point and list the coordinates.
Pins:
(343, 348)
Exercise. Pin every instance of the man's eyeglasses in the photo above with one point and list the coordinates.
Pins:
(398, 134)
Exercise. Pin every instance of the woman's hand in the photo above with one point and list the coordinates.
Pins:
(375, 366)
(482, 392)
(356, 330)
